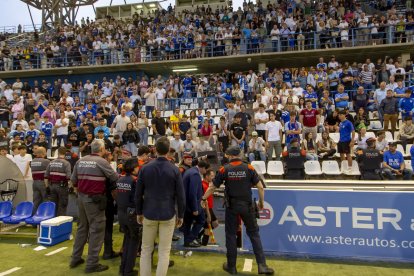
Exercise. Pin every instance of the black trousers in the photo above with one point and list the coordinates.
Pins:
(132, 242)
(193, 225)
(60, 196)
(109, 226)
(247, 213)
(295, 174)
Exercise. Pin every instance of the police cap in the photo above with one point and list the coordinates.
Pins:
(233, 151)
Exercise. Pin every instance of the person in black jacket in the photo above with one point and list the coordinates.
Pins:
(130, 139)
(127, 216)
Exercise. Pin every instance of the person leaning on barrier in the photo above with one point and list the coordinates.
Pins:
(369, 161)
(294, 161)
(89, 177)
(38, 166)
(57, 177)
(239, 178)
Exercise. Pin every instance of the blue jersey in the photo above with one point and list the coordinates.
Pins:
(20, 133)
(33, 133)
(400, 91)
(285, 116)
(412, 157)
(47, 129)
(345, 131)
(394, 160)
(287, 77)
(309, 96)
(292, 126)
(342, 102)
(406, 105)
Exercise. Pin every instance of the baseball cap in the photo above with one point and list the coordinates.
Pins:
(254, 133)
(234, 151)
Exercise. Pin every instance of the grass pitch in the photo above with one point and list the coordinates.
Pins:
(33, 263)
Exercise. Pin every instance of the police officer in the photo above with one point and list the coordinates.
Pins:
(185, 163)
(127, 217)
(369, 161)
(71, 156)
(57, 177)
(294, 160)
(38, 166)
(239, 178)
(89, 177)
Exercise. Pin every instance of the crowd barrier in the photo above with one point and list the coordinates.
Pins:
(362, 224)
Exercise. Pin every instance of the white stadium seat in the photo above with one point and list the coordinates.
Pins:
(167, 113)
(313, 168)
(259, 166)
(220, 112)
(388, 136)
(408, 164)
(401, 149)
(354, 168)
(212, 111)
(275, 168)
(408, 149)
(334, 136)
(330, 168)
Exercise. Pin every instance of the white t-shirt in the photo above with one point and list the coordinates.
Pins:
(67, 87)
(60, 129)
(273, 128)
(298, 91)
(160, 93)
(22, 162)
(261, 116)
(88, 86)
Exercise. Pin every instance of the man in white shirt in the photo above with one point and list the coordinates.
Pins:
(88, 86)
(176, 143)
(160, 92)
(297, 89)
(260, 119)
(107, 90)
(17, 86)
(256, 147)
(8, 93)
(3, 85)
(62, 129)
(251, 79)
(22, 160)
(67, 87)
(120, 123)
(202, 146)
(273, 137)
(20, 121)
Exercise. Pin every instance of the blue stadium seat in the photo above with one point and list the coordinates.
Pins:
(6, 208)
(45, 211)
(23, 211)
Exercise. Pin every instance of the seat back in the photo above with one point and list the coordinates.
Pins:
(46, 209)
(408, 164)
(6, 208)
(259, 166)
(24, 208)
(401, 149)
(275, 167)
(312, 167)
(330, 167)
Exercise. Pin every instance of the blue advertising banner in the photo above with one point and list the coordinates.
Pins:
(353, 224)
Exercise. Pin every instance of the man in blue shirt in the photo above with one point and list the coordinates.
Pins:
(311, 95)
(346, 138)
(160, 206)
(394, 164)
(47, 128)
(341, 98)
(194, 216)
(406, 105)
(102, 126)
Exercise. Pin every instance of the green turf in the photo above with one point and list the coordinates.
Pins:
(36, 263)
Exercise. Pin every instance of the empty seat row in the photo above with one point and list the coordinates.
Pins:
(24, 211)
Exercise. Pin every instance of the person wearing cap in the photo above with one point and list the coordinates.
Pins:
(294, 160)
(393, 164)
(369, 161)
(185, 163)
(239, 178)
(257, 148)
(102, 126)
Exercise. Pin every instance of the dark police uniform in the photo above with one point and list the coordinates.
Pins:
(369, 161)
(239, 178)
(58, 173)
(90, 176)
(38, 167)
(128, 221)
(294, 163)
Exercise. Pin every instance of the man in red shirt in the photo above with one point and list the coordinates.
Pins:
(211, 217)
(309, 119)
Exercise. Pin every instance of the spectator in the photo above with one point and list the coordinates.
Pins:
(341, 98)
(273, 134)
(261, 118)
(310, 146)
(62, 129)
(382, 143)
(394, 164)
(256, 148)
(361, 119)
(389, 109)
(346, 138)
(406, 132)
(326, 146)
(309, 118)
(406, 105)
(130, 139)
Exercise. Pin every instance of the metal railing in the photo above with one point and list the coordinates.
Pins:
(188, 49)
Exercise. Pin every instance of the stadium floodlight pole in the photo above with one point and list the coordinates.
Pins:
(58, 12)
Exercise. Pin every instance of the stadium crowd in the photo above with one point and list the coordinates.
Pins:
(165, 34)
(262, 112)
